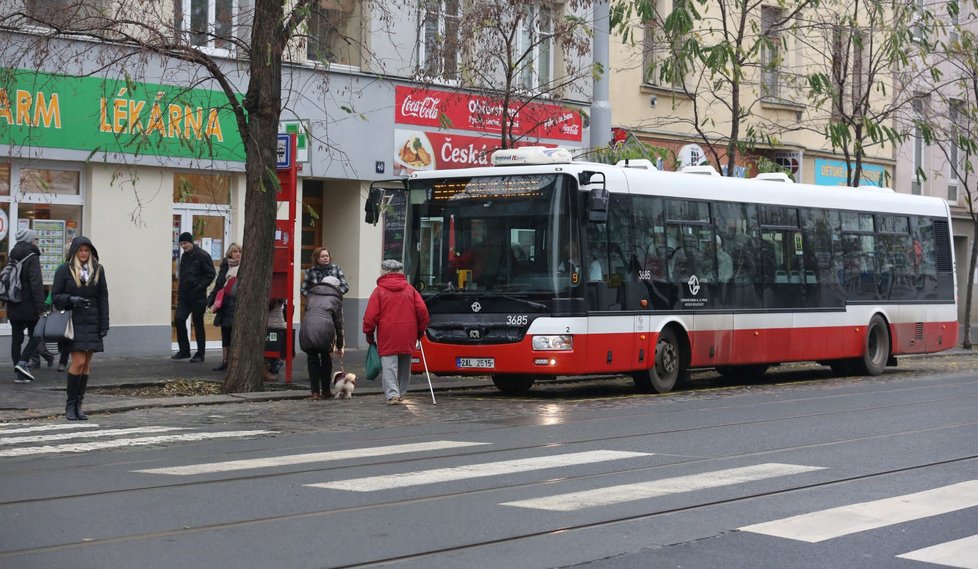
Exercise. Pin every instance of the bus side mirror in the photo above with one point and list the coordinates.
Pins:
(371, 209)
(597, 211)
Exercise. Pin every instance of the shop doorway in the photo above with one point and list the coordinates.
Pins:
(211, 228)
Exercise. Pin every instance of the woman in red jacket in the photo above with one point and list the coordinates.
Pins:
(395, 320)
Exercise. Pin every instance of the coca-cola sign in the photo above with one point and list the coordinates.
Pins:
(459, 111)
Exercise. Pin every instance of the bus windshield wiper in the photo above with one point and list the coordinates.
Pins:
(529, 303)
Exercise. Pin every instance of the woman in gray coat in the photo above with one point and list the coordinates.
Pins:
(322, 329)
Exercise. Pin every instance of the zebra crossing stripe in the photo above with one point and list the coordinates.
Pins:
(439, 475)
(86, 435)
(960, 553)
(120, 443)
(53, 427)
(654, 488)
(836, 522)
(273, 461)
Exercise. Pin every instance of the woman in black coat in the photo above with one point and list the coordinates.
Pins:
(80, 285)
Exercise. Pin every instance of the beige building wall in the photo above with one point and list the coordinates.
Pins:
(135, 252)
(667, 113)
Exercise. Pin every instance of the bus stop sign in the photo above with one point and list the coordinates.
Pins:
(283, 152)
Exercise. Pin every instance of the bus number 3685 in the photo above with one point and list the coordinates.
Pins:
(517, 320)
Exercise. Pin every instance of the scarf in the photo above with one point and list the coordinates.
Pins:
(233, 262)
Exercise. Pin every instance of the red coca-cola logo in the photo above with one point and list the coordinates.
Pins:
(424, 108)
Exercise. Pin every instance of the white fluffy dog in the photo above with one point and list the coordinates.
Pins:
(343, 385)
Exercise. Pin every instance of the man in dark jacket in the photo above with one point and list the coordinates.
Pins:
(24, 315)
(194, 274)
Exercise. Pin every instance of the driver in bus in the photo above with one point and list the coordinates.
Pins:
(571, 263)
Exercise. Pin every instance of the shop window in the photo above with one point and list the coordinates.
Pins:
(60, 182)
(48, 201)
(202, 189)
(4, 180)
(334, 32)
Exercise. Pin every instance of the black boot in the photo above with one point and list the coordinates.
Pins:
(80, 396)
(71, 411)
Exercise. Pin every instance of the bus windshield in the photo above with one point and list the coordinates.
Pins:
(507, 234)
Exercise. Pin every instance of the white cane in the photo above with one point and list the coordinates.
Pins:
(425, 362)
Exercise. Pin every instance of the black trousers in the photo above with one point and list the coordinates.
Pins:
(17, 328)
(195, 310)
(320, 371)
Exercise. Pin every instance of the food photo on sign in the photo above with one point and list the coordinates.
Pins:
(412, 152)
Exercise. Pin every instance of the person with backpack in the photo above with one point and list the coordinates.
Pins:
(24, 313)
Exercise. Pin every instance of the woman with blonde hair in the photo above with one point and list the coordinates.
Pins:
(227, 271)
(80, 285)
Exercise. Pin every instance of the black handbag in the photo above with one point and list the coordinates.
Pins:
(55, 326)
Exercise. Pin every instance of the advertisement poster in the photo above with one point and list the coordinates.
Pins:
(51, 242)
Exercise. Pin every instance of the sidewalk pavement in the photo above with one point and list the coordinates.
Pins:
(45, 396)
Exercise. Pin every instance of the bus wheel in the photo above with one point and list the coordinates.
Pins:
(877, 348)
(742, 372)
(665, 369)
(513, 383)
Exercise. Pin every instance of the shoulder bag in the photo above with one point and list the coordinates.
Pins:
(55, 326)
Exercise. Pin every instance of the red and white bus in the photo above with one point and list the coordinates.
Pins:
(550, 267)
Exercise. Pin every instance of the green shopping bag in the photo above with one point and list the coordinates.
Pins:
(373, 362)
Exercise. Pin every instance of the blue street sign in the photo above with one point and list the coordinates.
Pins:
(283, 152)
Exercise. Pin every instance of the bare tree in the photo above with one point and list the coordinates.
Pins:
(864, 58)
(123, 37)
(515, 51)
(719, 60)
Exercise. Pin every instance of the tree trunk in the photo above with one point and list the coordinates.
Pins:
(969, 292)
(263, 103)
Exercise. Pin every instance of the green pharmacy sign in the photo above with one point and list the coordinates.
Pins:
(114, 116)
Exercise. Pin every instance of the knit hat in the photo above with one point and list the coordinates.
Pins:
(186, 237)
(391, 266)
(332, 281)
(26, 235)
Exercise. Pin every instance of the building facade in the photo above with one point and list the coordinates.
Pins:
(133, 153)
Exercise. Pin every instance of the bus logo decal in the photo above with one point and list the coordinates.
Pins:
(694, 285)
(476, 306)
(474, 334)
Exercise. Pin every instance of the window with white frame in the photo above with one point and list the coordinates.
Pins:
(656, 47)
(955, 162)
(917, 139)
(438, 45)
(770, 52)
(207, 24)
(63, 13)
(334, 28)
(536, 43)
(916, 30)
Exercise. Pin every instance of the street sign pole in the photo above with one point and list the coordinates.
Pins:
(283, 262)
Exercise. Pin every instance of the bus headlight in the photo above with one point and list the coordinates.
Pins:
(553, 343)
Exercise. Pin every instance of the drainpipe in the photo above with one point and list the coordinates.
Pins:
(600, 106)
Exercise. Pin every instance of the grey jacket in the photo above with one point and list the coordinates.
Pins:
(322, 325)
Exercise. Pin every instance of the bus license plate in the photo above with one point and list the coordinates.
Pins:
(485, 363)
